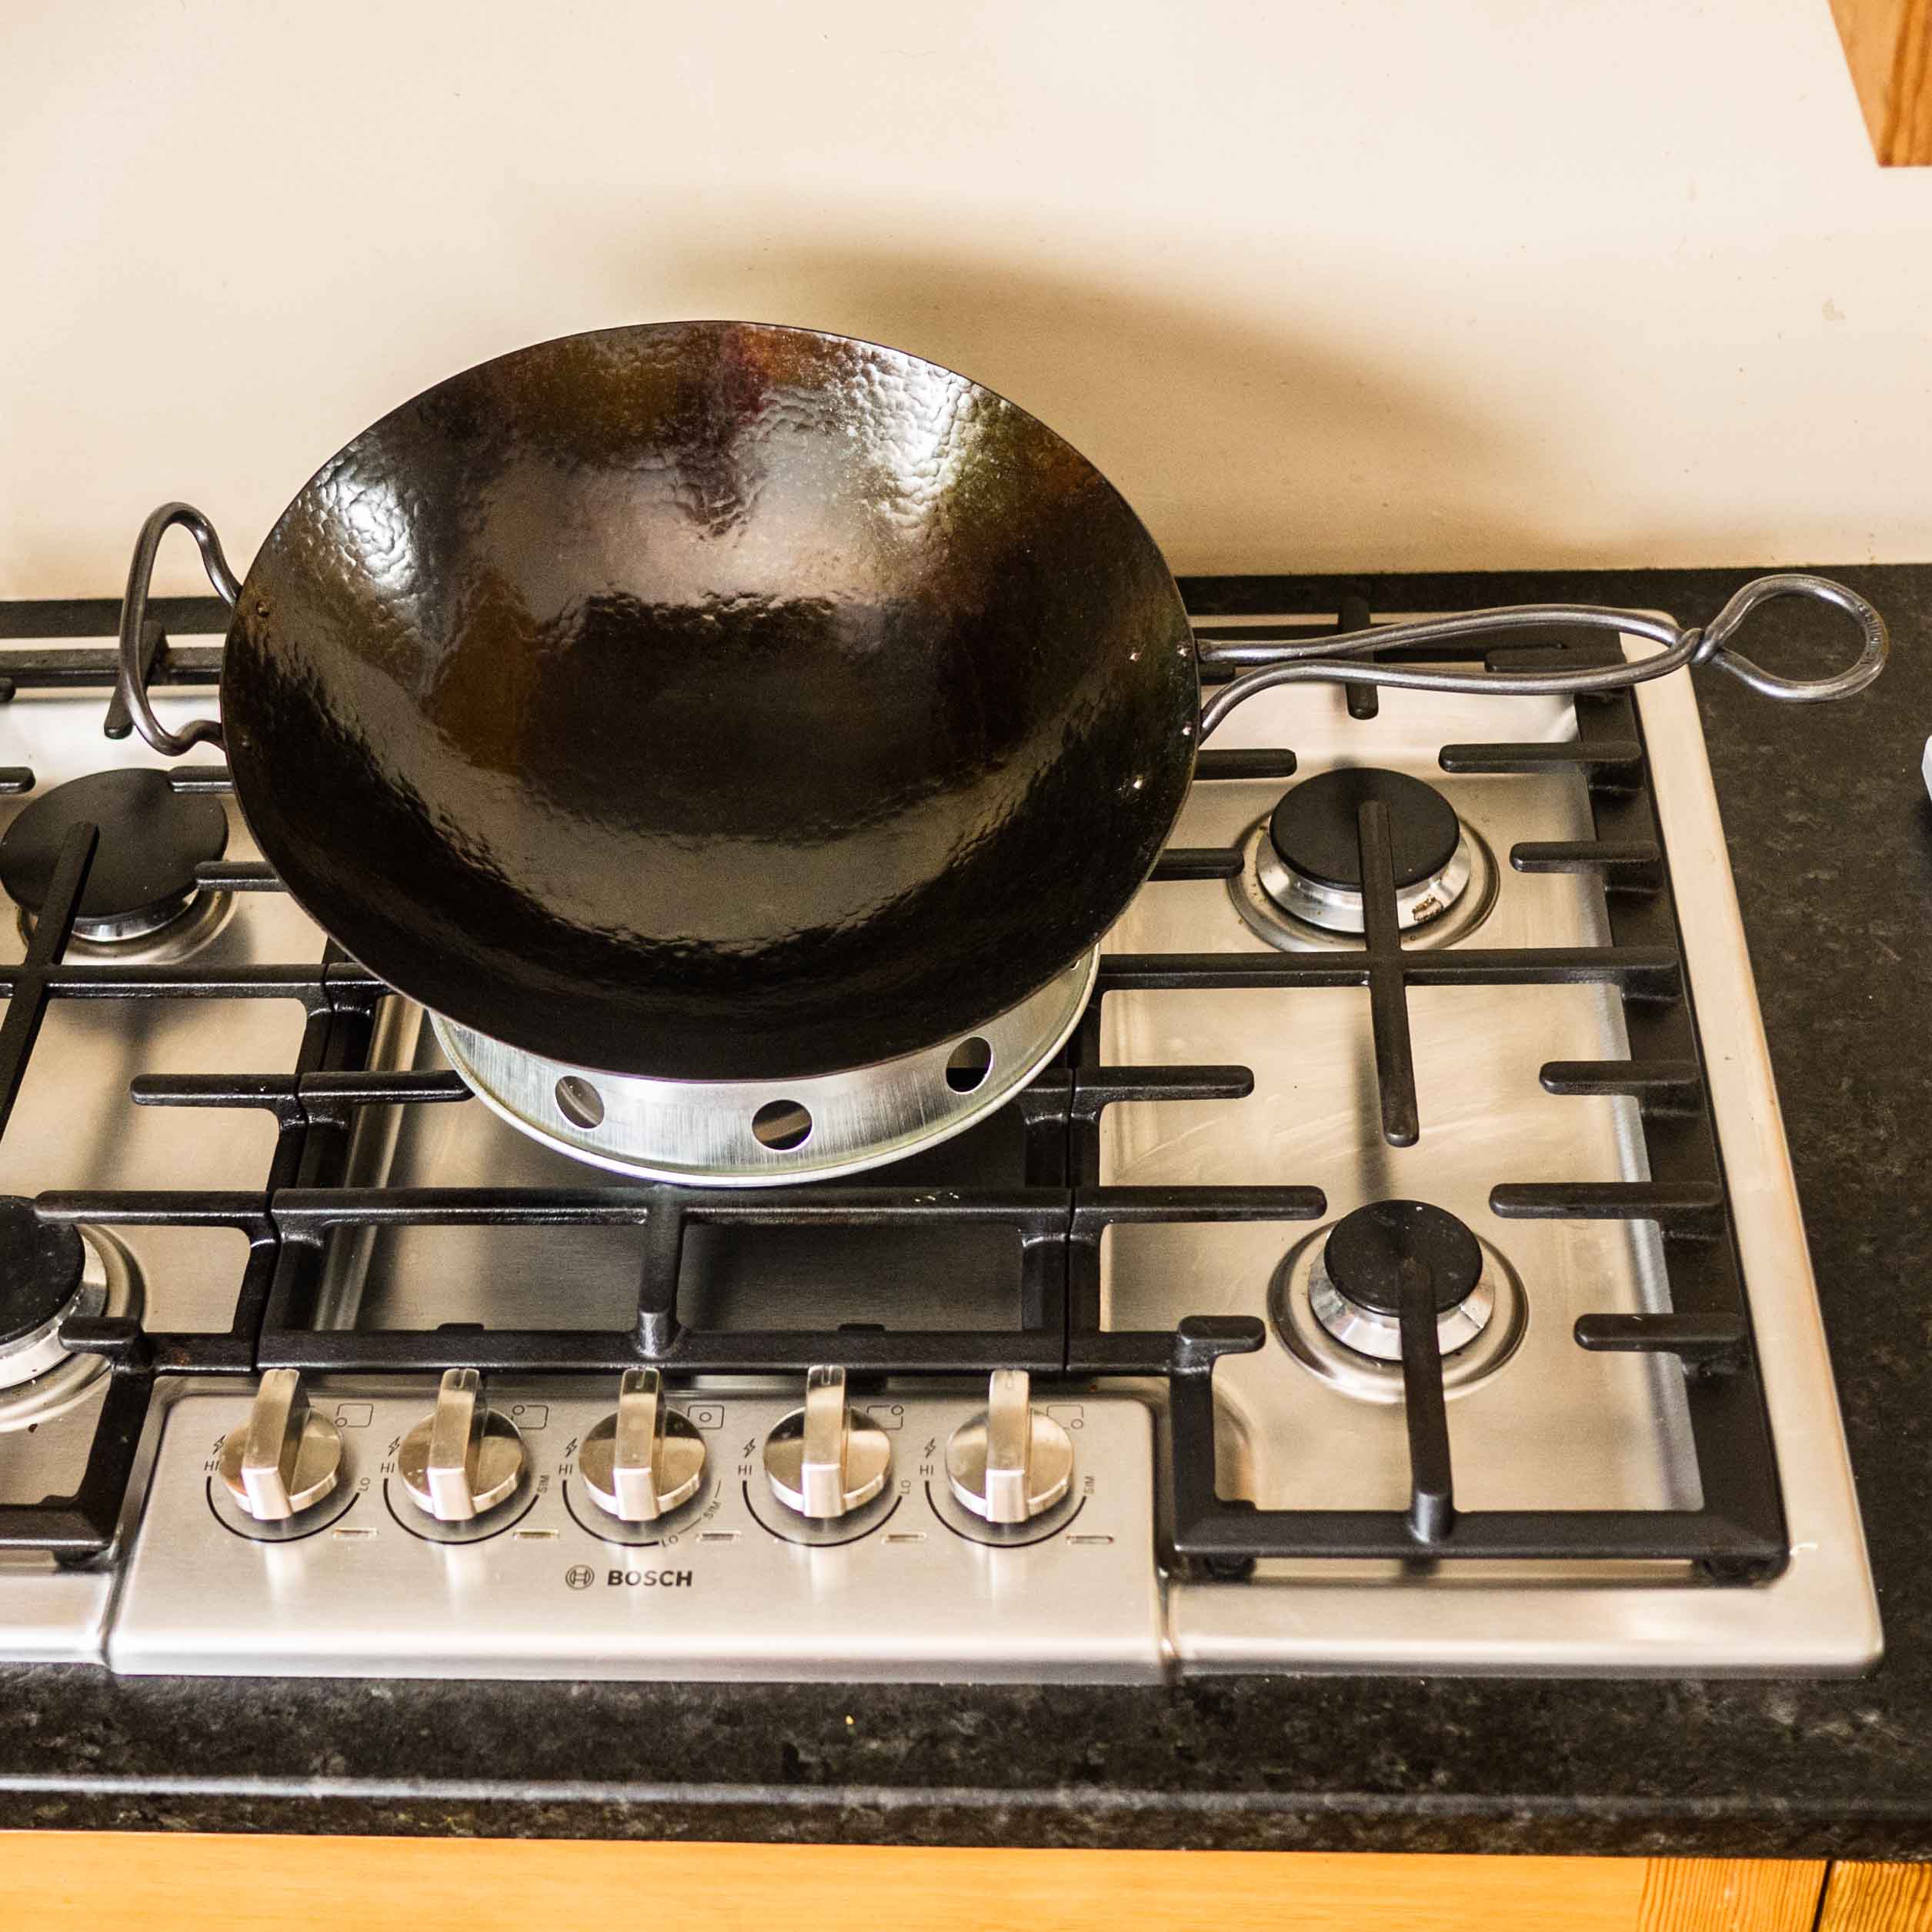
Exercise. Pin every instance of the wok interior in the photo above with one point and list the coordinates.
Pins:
(711, 701)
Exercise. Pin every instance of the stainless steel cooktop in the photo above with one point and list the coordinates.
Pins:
(464, 1490)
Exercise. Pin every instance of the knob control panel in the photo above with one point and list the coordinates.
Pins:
(464, 1457)
(646, 1459)
(835, 1539)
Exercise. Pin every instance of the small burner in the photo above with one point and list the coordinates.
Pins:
(1356, 1288)
(1310, 862)
(41, 1269)
(152, 837)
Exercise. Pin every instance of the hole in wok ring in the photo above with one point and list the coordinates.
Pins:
(971, 1062)
(580, 1103)
(782, 1125)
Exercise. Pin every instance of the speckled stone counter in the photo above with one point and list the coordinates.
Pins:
(1831, 838)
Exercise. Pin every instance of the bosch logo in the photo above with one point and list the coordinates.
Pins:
(649, 1578)
(580, 1576)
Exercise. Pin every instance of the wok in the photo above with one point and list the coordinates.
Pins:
(714, 701)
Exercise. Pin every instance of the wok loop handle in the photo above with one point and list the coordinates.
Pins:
(1322, 661)
(1875, 642)
(132, 684)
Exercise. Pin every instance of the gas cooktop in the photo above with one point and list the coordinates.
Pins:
(1399, 1269)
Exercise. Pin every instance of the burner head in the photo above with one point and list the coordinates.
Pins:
(1313, 828)
(152, 837)
(1310, 862)
(1355, 1290)
(1372, 1251)
(40, 1271)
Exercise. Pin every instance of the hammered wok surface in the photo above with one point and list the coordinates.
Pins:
(711, 701)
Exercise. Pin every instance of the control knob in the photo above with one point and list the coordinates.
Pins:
(645, 1460)
(828, 1458)
(287, 1458)
(1008, 1463)
(464, 1457)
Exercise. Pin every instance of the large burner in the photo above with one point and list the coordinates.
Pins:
(1310, 862)
(49, 1274)
(142, 879)
(41, 1270)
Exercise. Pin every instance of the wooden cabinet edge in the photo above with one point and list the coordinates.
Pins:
(195, 1882)
(1888, 47)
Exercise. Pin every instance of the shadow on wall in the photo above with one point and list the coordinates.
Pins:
(1241, 449)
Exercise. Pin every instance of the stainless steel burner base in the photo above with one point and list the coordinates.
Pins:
(1471, 876)
(1475, 1338)
(110, 1285)
(763, 1133)
(177, 933)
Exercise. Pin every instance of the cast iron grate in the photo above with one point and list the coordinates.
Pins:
(1058, 1214)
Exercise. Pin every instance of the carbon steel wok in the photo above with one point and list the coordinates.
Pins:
(719, 702)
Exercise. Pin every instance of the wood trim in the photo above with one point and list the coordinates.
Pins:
(62, 1882)
(1693, 1894)
(1878, 1898)
(1888, 46)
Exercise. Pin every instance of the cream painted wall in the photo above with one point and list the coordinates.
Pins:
(1320, 285)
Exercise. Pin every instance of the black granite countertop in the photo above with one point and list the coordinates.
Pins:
(1831, 838)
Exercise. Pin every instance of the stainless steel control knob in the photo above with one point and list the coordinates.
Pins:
(464, 1457)
(1009, 1462)
(286, 1458)
(644, 1461)
(827, 1458)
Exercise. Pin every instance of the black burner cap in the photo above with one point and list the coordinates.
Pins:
(40, 1268)
(1370, 1251)
(152, 837)
(1314, 826)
